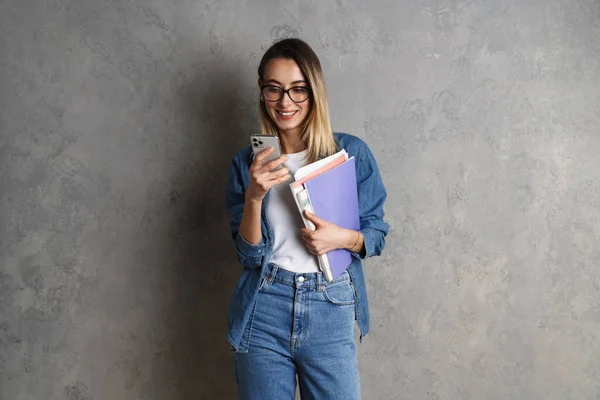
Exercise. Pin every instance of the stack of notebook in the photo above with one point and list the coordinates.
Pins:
(327, 188)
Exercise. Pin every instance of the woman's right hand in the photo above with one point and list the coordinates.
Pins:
(263, 178)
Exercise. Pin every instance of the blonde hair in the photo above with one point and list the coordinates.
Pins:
(316, 128)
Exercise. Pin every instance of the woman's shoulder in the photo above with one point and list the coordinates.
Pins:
(348, 140)
(353, 145)
(242, 156)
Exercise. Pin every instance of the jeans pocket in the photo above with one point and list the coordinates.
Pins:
(340, 293)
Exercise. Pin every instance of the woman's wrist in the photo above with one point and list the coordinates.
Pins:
(353, 240)
(253, 203)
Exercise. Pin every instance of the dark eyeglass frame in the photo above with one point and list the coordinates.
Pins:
(284, 92)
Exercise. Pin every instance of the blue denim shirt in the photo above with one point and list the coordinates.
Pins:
(254, 258)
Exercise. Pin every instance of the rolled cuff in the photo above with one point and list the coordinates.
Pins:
(250, 255)
(372, 243)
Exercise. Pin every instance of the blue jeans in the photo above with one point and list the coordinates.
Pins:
(304, 325)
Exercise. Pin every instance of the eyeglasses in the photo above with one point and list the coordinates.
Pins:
(297, 94)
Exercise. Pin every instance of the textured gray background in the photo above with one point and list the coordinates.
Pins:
(118, 121)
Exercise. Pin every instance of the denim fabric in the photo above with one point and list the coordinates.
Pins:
(255, 258)
(300, 324)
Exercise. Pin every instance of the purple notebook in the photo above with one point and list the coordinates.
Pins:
(334, 197)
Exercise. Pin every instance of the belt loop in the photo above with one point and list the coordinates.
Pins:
(271, 276)
(319, 278)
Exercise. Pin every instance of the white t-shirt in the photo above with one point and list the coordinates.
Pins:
(288, 248)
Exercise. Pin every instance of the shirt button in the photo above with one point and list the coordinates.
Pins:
(301, 279)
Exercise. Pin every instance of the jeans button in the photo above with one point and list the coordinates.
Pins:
(301, 279)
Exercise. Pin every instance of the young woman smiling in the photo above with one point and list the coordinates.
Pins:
(287, 324)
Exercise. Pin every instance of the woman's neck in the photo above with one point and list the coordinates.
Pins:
(291, 143)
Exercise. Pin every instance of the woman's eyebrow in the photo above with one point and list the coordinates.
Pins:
(279, 83)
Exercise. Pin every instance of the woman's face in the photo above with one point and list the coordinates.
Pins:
(287, 114)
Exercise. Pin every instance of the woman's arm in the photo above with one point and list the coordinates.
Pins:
(244, 205)
(250, 225)
(371, 197)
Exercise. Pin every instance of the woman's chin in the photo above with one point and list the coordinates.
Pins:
(286, 127)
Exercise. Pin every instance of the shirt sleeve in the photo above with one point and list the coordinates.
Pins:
(249, 255)
(371, 197)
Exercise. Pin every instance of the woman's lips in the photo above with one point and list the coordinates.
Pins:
(287, 114)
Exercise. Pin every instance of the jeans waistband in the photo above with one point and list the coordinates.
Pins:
(304, 279)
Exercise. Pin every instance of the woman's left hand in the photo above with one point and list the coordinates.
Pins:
(327, 236)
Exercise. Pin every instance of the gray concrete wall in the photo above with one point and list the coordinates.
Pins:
(118, 120)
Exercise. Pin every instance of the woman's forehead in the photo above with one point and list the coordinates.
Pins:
(283, 70)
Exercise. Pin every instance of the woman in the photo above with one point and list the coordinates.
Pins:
(285, 320)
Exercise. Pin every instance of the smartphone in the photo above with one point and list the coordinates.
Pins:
(263, 142)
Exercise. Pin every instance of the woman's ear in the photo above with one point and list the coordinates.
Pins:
(260, 90)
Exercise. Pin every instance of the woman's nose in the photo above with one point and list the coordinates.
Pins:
(286, 99)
